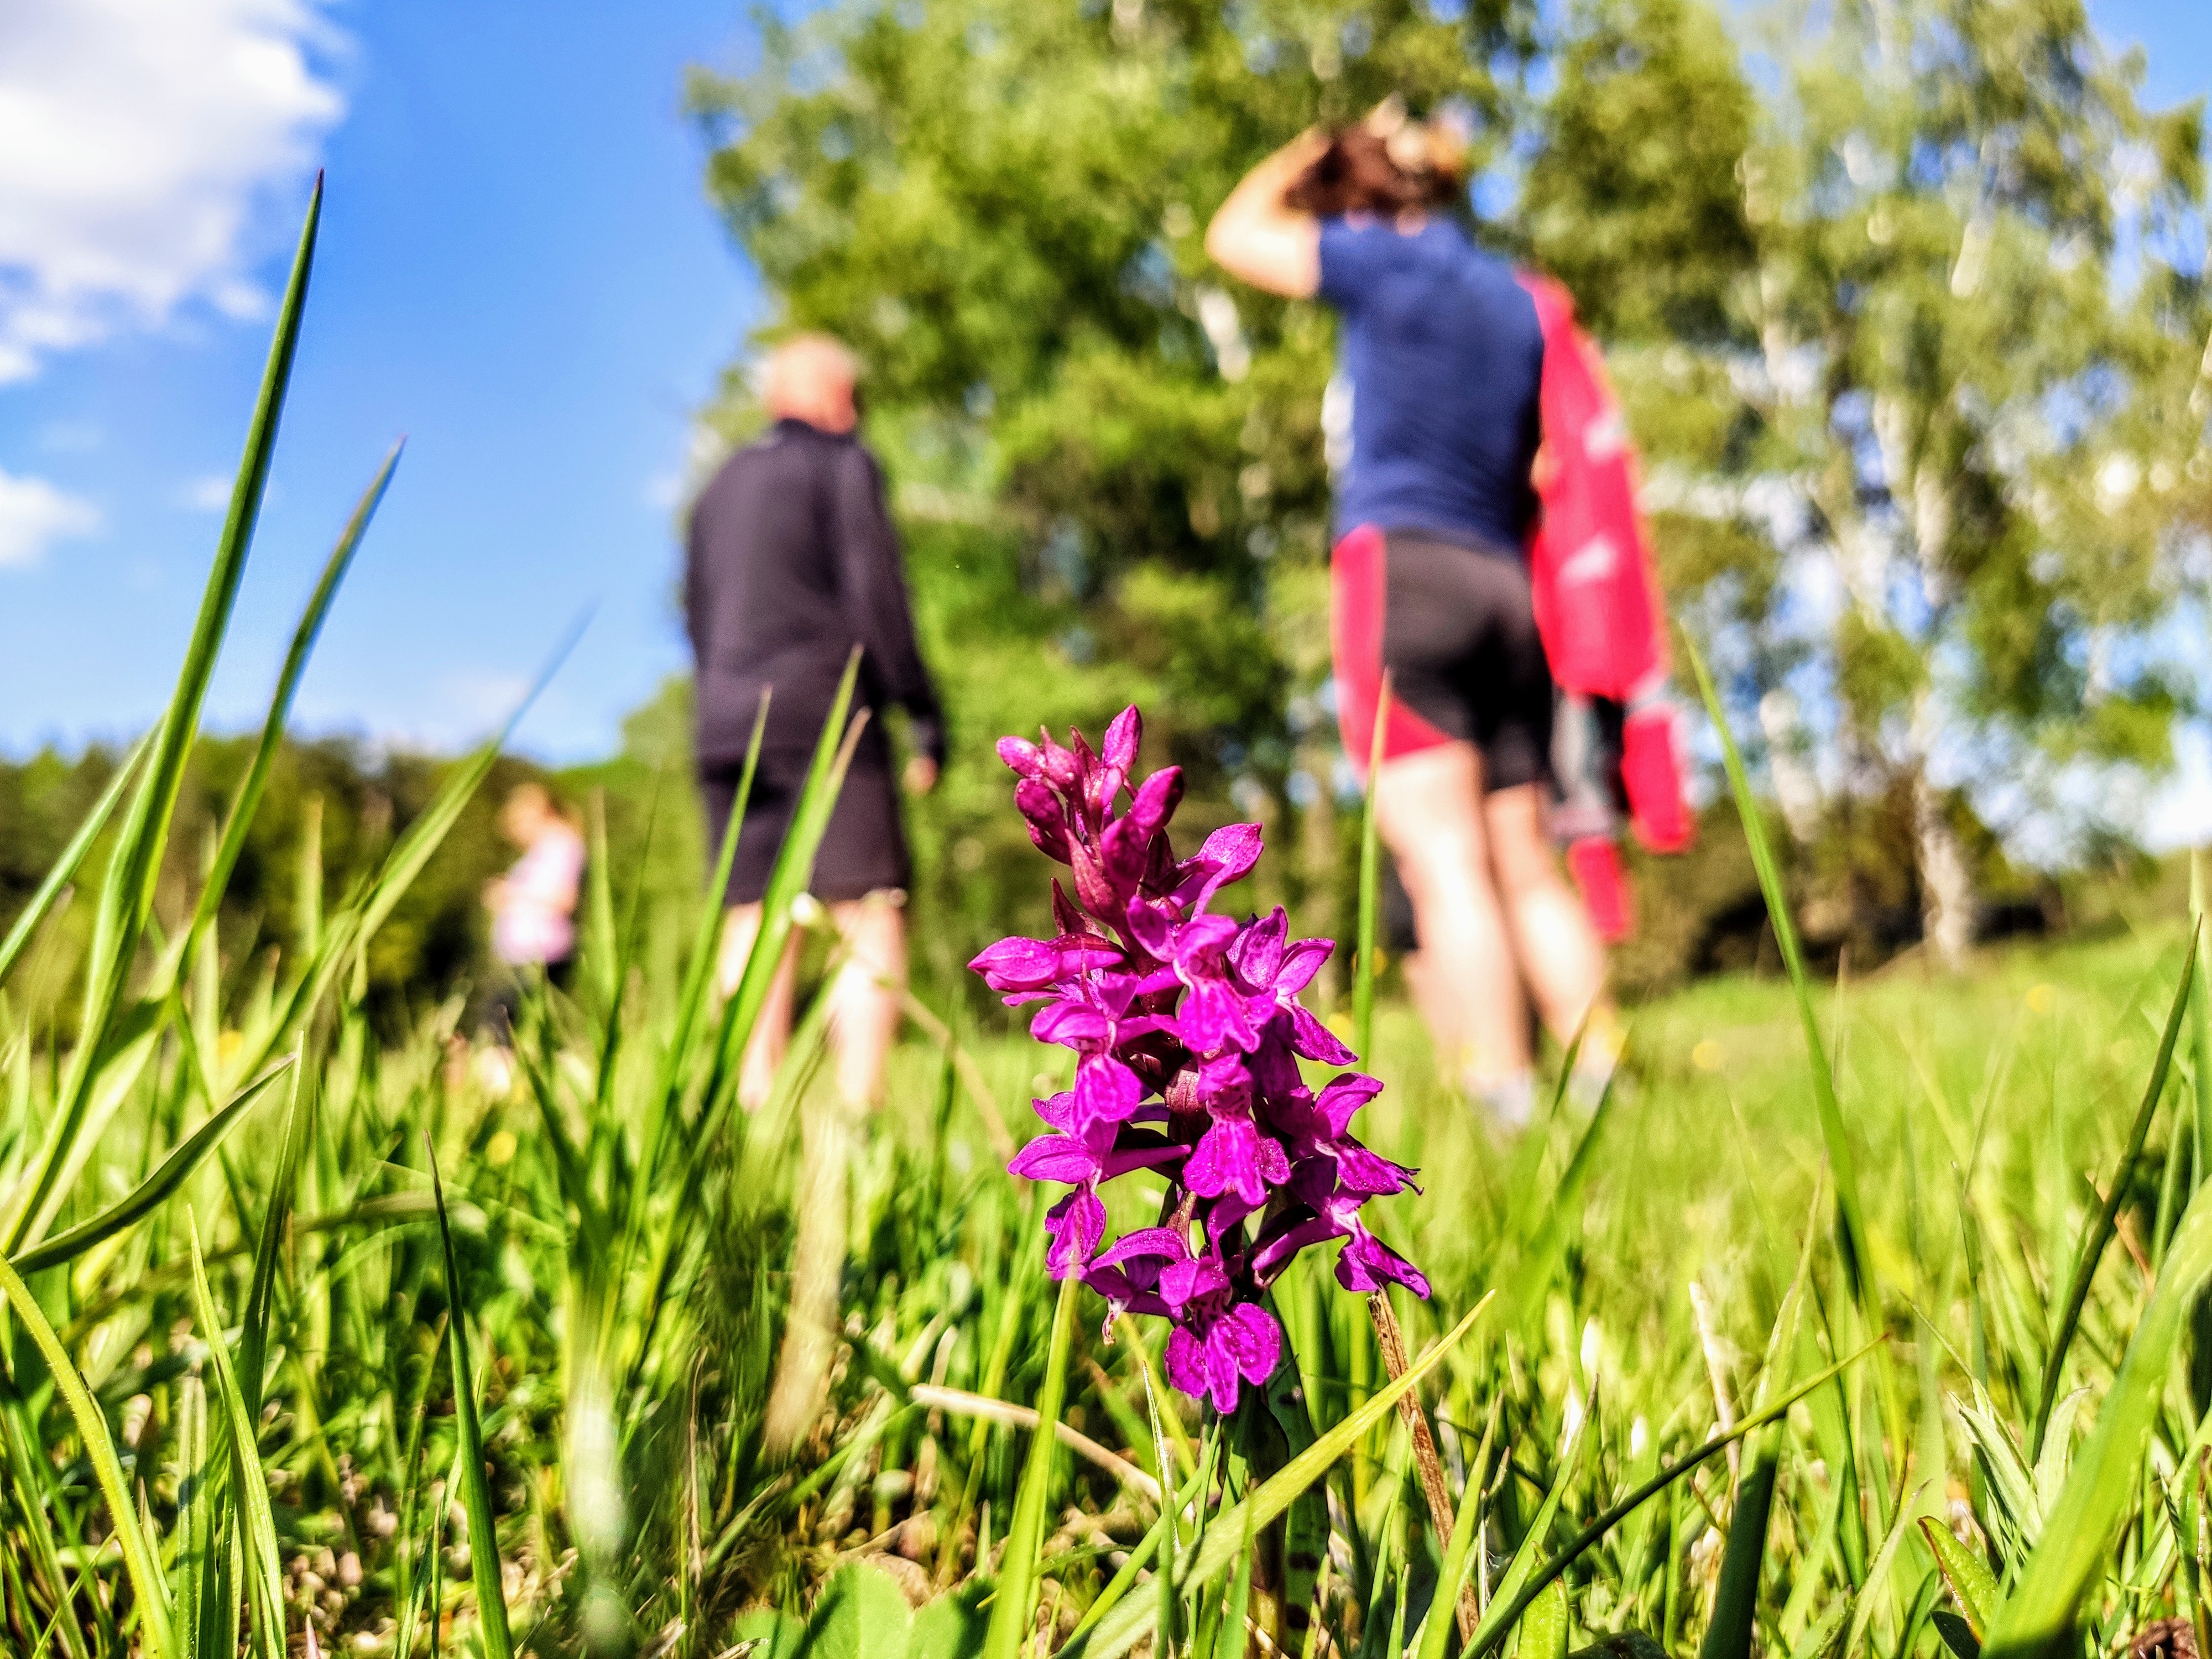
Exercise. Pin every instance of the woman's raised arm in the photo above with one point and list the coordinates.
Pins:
(1255, 237)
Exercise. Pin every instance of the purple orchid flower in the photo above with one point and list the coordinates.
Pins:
(1208, 1357)
(1188, 1033)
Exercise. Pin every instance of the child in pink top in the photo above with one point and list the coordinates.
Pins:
(533, 905)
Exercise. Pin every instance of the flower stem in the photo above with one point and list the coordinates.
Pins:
(1392, 1339)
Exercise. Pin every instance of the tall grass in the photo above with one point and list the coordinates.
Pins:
(314, 1339)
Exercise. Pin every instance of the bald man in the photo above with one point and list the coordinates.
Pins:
(792, 562)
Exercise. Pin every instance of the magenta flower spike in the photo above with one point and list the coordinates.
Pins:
(1187, 1031)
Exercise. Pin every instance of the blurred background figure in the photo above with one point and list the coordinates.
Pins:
(792, 562)
(1441, 363)
(533, 905)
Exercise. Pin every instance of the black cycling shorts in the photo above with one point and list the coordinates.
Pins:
(863, 850)
(1455, 628)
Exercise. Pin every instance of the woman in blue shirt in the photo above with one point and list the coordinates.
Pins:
(1433, 427)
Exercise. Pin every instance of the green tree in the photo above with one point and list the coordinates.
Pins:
(1977, 317)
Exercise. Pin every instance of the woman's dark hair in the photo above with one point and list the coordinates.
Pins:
(1358, 173)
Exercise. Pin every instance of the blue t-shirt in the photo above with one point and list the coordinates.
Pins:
(1440, 356)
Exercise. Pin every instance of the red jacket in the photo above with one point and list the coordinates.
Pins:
(1597, 600)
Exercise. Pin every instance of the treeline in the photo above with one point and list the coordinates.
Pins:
(334, 806)
(332, 809)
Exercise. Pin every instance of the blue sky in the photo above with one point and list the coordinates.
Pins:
(518, 269)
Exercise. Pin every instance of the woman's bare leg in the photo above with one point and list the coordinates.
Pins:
(772, 1032)
(865, 997)
(1561, 956)
(1429, 808)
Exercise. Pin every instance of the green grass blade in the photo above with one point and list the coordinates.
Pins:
(620, 952)
(276, 1220)
(149, 1587)
(1852, 1241)
(247, 800)
(411, 1582)
(72, 857)
(175, 1170)
(1370, 876)
(254, 1525)
(2200, 1023)
(1973, 1586)
(1841, 1160)
(2075, 1551)
(1544, 1626)
(2100, 1231)
(1523, 1564)
(1732, 1624)
(1733, 1620)
(679, 1057)
(1459, 1554)
(199, 1612)
(307, 880)
(1820, 1641)
(1167, 1624)
(600, 947)
(475, 1491)
(706, 937)
(33, 1480)
(1010, 1613)
(1231, 1644)
(126, 903)
(1864, 1605)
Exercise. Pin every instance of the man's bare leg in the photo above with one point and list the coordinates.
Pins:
(865, 1006)
(1429, 809)
(828, 1143)
(864, 1018)
(772, 1032)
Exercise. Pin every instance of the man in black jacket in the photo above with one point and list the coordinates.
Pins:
(793, 562)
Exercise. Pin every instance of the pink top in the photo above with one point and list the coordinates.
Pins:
(534, 922)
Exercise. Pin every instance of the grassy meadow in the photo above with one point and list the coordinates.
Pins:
(322, 1342)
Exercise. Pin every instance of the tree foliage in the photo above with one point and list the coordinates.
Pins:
(1977, 300)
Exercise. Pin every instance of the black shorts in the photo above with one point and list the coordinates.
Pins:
(863, 850)
(1456, 629)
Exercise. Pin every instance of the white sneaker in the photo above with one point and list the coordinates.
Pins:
(1509, 1101)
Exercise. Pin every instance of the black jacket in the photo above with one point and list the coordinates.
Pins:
(792, 562)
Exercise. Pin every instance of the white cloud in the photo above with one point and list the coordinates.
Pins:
(209, 495)
(34, 515)
(137, 139)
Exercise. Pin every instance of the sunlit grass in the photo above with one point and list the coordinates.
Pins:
(412, 1346)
